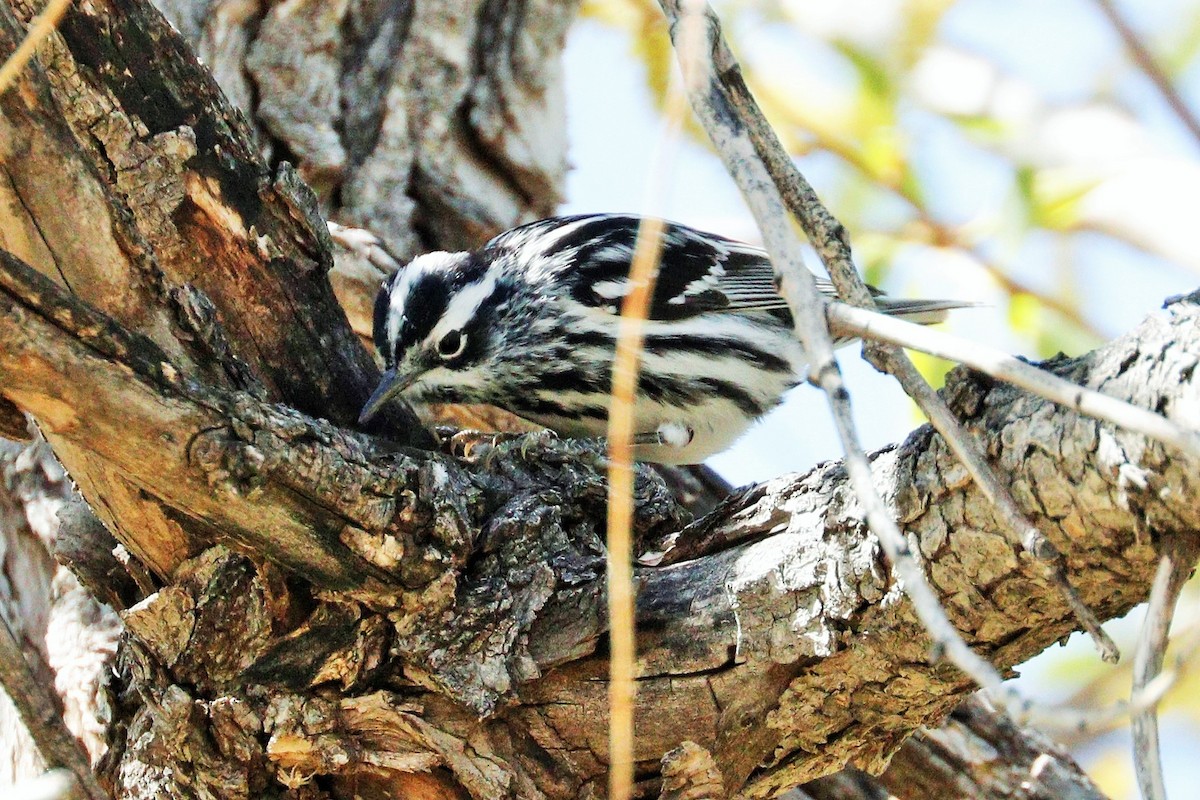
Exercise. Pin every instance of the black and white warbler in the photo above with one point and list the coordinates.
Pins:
(529, 322)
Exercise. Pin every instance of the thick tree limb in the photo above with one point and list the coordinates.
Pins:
(152, 203)
(471, 588)
(213, 449)
(789, 650)
(189, 210)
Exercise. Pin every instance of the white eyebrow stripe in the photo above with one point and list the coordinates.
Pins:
(430, 262)
(463, 306)
(393, 332)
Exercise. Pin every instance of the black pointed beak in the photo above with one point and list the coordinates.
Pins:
(391, 384)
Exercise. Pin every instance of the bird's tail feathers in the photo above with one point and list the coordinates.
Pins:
(922, 312)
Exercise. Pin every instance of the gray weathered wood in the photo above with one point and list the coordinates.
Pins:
(339, 615)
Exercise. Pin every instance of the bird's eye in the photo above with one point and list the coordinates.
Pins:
(452, 345)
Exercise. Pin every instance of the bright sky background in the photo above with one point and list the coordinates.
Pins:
(614, 128)
(1051, 56)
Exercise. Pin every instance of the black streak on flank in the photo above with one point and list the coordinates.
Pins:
(747, 403)
(571, 379)
(549, 408)
(666, 343)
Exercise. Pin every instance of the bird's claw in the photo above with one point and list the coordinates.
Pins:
(463, 443)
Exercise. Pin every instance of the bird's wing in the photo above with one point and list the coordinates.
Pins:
(698, 272)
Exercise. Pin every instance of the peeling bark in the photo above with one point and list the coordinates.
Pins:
(434, 122)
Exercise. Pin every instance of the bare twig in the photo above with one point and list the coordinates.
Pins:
(39, 28)
(1069, 720)
(937, 233)
(635, 308)
(1149, 65)
(39, 710)
(1002, 366)
(365, 244)
(829, 238)
(1173, 571)
(712, 82)
(622, 636)
(977, 752)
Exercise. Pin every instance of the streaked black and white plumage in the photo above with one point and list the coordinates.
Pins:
(528, 323)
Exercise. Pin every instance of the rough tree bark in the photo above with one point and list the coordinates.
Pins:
(335, 613)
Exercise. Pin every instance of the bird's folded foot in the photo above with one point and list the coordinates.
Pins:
(668, 434)
(470, 444)
(474, 445)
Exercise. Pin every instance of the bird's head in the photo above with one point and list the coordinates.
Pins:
(432, 327)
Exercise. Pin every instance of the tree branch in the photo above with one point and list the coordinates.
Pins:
(793, 620)
(1148, 64)
(40, 711)
(831, 242)
(176, 201)
(706, 63)
(1174, 568)
(437, 623)
(976, 753)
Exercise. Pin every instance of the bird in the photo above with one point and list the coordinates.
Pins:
(528, 323)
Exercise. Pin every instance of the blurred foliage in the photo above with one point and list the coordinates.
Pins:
(952, 158)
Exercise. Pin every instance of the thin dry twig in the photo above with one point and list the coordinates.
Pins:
(365, 244)
(829, 239)
(712, 81)
(937, 233)
(40, 27)
(635, 308)
(39, 710)
(1173, 570)
(1072, 719)
(1149, 65)
(1002, 366)
(622, 633)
